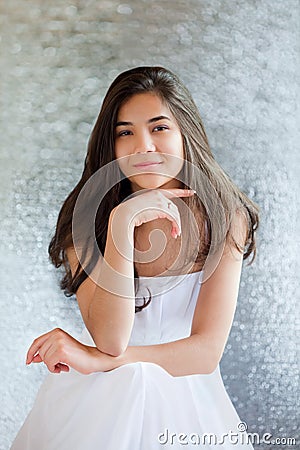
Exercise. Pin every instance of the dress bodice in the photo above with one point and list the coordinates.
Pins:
(169, 315)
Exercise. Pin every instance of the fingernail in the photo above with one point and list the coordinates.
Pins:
(174, 233)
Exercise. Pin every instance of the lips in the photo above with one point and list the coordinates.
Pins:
(147, 163)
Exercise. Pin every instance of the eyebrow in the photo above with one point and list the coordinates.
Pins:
(154, 119)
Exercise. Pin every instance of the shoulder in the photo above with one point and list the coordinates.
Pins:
(238, 231)
(73, 260)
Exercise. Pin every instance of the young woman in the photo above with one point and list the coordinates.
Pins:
(152, 240)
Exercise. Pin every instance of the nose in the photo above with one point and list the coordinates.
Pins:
(144, 143)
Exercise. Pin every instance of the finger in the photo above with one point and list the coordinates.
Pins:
(176, 229)
(40, 341)
(53, 357)
(175, 192)
(44, 348)
(62, 367)
(35, 346)
(40, 345)
(175, 219)
(37, 359)
(59, 368)
(176, 225)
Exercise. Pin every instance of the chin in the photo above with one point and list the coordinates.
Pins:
(148, 181)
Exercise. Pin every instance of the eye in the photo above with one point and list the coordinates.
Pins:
(124, 133)
(160, 128)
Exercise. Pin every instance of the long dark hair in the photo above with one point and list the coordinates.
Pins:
(100, 152)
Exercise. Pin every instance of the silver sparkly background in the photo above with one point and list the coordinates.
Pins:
(240, 60)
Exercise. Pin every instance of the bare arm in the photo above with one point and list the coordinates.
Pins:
(199, 353)
(203, 349)
(107, 298)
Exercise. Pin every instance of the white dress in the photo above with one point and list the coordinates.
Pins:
(138, 406)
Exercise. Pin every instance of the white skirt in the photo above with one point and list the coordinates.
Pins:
(137, 406)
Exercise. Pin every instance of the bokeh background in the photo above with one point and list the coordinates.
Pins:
(240, 60)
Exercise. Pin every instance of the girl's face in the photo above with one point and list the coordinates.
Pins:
(148, 143)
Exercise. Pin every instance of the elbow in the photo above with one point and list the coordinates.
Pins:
(211, 355)
(113, 349)
(214, 360)
(211, 367)
(111, 343)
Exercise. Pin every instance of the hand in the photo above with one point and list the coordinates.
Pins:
(151, 205)
(59, 351)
